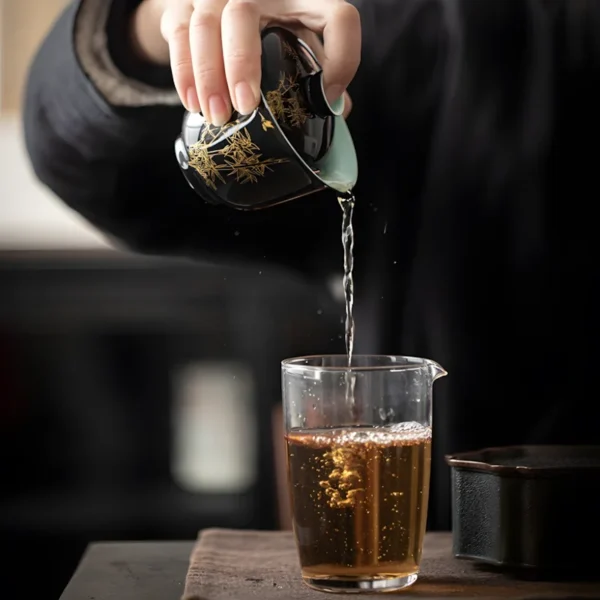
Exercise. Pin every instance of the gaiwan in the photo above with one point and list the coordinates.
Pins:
(295, 143)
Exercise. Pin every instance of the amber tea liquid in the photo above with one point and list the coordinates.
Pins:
(359, 500)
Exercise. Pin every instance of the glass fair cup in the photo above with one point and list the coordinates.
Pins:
(358, 453)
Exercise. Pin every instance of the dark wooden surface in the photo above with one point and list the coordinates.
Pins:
(131, 571)
(157, 571)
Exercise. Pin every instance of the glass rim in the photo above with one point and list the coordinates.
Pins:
(296, 364)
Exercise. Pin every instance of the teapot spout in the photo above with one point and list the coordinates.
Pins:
(436, 370)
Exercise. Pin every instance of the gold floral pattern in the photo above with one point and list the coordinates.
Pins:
(265, 123)
(229, 151)
(285, 104)
(238, 157)
(290, 52)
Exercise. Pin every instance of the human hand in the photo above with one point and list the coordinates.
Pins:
(214, 47)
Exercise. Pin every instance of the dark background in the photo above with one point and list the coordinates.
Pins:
(106, 360)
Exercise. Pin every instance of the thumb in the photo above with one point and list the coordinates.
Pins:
(342, 47)
(347, 105)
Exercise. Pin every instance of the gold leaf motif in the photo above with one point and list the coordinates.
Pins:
(291, 53)
(285, 104)
(266, 123)
(238, 158)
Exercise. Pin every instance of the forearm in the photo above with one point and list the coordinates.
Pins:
(112, 160)
(145, 34)
(110, 54)
(86, 101)
(78, 135)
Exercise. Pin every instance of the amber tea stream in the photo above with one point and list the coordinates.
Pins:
(347, 204)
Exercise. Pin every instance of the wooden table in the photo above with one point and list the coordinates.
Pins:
(130, 571)
(157, 571)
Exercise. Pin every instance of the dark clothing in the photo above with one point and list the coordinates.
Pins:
(475, 124)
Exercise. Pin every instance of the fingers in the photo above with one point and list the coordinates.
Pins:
(312, 39)
(215, 51)
(175, 28)
(341, 35)
(240, 32)
(207, 60)
(193, 33)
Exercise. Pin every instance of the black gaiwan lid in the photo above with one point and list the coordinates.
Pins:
(292, 85)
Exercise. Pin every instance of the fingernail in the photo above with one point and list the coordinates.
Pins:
(246, 100)
(334, 93)
(191, 97)
(218, 110)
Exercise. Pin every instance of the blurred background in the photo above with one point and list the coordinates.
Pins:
(138, 396)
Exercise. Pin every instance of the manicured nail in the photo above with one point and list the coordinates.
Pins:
(193, 105)
(246, 100)
(218, 110)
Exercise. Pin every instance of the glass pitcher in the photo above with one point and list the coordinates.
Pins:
(358, 452)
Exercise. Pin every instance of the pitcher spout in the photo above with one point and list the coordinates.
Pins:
(436, 370)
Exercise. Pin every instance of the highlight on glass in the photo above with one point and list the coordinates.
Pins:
(358, 444)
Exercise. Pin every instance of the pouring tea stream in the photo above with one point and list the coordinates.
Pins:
(294, 144)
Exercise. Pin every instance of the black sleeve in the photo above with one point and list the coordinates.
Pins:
(99, 131)
(115, 165)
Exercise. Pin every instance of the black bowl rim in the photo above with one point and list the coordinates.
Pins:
(318, 182)
(483, 460)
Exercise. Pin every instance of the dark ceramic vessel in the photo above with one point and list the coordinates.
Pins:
(294, 144)
(532, 508)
